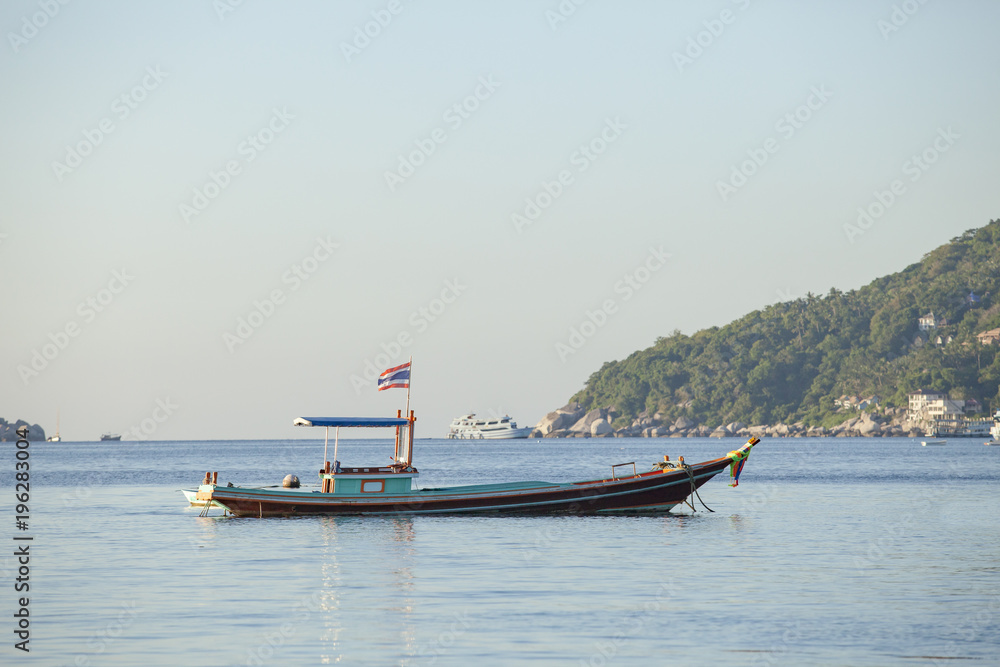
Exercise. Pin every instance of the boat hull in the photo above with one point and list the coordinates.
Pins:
(651, 492)
(499, 434)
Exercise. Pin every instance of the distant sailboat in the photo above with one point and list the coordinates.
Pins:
(56, 437)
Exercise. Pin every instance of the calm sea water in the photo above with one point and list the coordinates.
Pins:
(830, 552)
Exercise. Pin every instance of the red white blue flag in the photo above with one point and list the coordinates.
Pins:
(395, 377)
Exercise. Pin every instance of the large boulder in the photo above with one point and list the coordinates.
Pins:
(8, 431)
(600, 427)
(868, 427)
(584, 423)
(560, 419)
(721, 431)
(683, 423)
(554, 421)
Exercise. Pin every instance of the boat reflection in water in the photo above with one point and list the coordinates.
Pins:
(342, 608)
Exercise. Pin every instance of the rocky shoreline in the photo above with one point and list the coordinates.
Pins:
(8, 431)
(572, 421)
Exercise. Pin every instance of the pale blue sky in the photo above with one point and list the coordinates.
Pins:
(670, 135)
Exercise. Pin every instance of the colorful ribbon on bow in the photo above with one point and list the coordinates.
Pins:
(738, 459)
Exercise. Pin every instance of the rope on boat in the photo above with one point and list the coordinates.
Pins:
(694, 490)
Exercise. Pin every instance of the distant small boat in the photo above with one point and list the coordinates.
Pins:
(56, 437)
(111, 436)
(992, 443)
(928, 443)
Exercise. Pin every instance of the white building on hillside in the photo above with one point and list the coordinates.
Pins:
(929, 321)
(919, 399)
(930, 404)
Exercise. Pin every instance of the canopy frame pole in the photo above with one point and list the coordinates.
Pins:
(336, 442)
(409, 439)
(326, 444)
(396, 458)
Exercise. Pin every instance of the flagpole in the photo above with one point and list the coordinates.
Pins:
(409, 425)
(407, 413)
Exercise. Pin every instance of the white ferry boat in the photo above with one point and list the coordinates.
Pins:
(470, 427)
(995, 431)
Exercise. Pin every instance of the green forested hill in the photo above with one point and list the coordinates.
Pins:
(788, 362)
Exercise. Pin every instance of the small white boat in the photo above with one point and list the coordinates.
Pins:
(929, 443)
(191, 495)
(470, 427)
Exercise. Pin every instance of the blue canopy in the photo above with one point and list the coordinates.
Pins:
(351, 421)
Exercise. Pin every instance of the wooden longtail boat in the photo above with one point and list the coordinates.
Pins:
(388, 490)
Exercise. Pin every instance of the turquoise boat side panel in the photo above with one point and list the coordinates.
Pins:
(364, 486)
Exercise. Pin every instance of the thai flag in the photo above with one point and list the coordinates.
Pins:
(395, 377)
